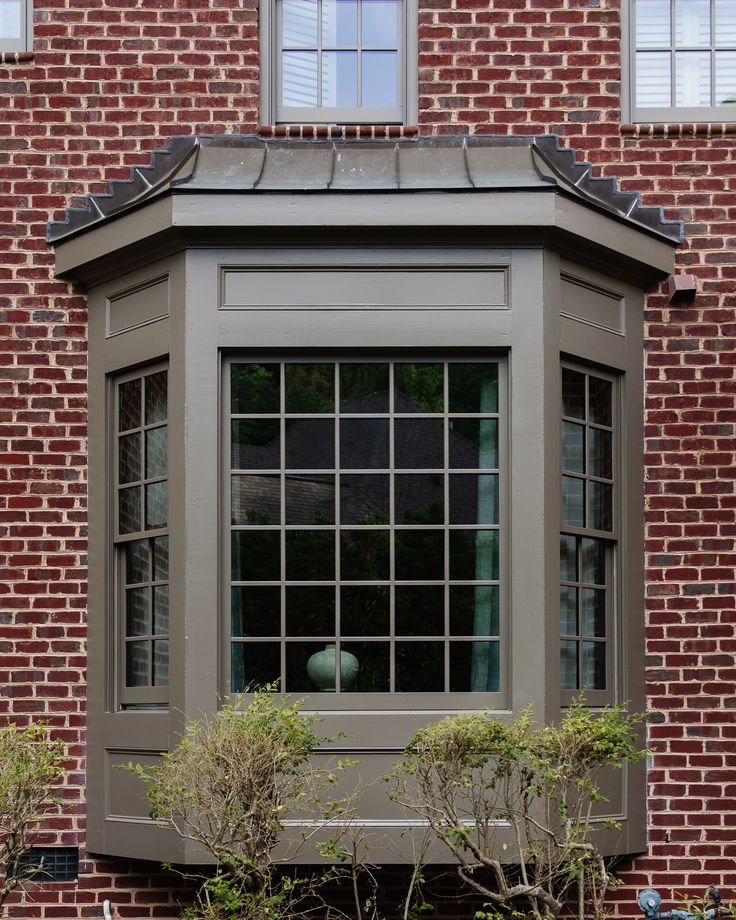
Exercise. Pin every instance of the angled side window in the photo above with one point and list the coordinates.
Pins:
(682, 60)
(16, 25)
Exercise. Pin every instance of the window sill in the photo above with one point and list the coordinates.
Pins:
(337, 132)
(15, 57)
(679, 129)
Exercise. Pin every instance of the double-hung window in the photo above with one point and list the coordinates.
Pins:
(16, 25)
(682, 60)
(338, 61)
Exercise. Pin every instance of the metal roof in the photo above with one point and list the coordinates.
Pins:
(251, 165)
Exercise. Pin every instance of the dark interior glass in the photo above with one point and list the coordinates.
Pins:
(573, 393)
(129, 405)
(161, 663)
(364, 610)
(474, 499)
(310, 610)
(137, 562)
(474, 555)
(364, 499)
(419, 388)
(155, 396)
(420, 667)
(156, 452)
(255, 499)
(600, 453)
(364, 555)
(419, 443)
(297, 662)
(600, 505)
(573, 447)
(593, 665)
(420, 610)
(160, 610)
(137, 612)
(310, 444)
(573, 501)
(310, 499)
(256, 444)
(254, 389)
(373, 666)
(130, 458)
(474, 667)
(256, 555)
(130, 518)
(473, 387)
(157, 505)
(594, 613)
(161, 559)
(364, 387)
(474, 610)
(255, 665)
(569, 664)
(419, 498)
(256, 610)
(473, 443)
(420, 555)
(600, 404)
(364, 443)
(137, 663)
(594, 561)
(310, 555)
(310, 387)
(568, 610)
(568, 558)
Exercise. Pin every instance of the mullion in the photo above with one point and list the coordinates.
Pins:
(391, 497)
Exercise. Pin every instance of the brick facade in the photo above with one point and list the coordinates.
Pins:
(110, 81)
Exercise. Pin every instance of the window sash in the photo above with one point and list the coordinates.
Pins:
(20, 39)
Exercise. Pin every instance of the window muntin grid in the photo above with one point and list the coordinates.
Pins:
(141, 537)
(339, 59)
(684, 55)
(584, 602)
(368, 519)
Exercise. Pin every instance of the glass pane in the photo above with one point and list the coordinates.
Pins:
(161, 663)
(256, 555)
(725, 22)
(340, 78)
(255, 499)
(473, 443)
(726, 77)
(364, 387)
(310, 444)
(310, 387)
(161, 559)
(568, 558)
(380, 78)
(339, 22)
(600, 506)
(652, 23)
(420, 611)
(364, 555)
(310, 555)
(11, 18)
(573, 393)
(474, 555)
(254, 388)
(420, 667)
(299, 78)
(419, 443)
(569, 665)
(600, 401)
(256, 611)
(254, 665)
(364, 610)
(310, 611)
(299, 23)
(474, 611)
(594, 613)
(573, 447)
(568, 611)
(600, 453)
(653, 80)
(474, 499)
(156, 452)
(373, 667)
(594, 665)
(594, 562)
(420, 555)
(136, 562)
(256, 444)
(137, 620)
(310, 666)
(310, 499)
(573, 506)
(380, 20)
(137, 661)
(157, 506)
(419, 388)
(130, 510)
(692, 23)
(419, 499)
(161, 610)
(692, 78)
(474, 667)
(155, 398)
(364, 499)
(130, 457)
(473, 387)
(364, 443)
(129, 396)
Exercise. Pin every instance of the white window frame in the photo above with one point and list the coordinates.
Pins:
(272, 112)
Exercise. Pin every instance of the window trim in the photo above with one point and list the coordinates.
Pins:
(25, 41)
(630, 111)
(393, 701)
(406, 113)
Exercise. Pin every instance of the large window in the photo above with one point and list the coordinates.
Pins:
(683, 60)
(141, 540)
(587, 546)
(364, 517)
(337, 61)
(16, 25)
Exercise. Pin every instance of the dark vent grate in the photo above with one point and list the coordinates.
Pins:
(51, 864)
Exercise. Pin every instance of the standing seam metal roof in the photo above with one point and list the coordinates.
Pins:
(252, 165)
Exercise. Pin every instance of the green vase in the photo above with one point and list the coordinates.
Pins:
(321, 669)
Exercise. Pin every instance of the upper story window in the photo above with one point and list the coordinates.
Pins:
(16, 25)
(338, 61)
(683, 60)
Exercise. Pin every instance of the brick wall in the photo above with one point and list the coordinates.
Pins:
(111, 80)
